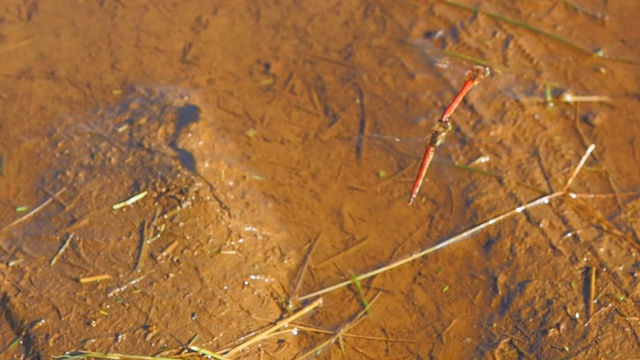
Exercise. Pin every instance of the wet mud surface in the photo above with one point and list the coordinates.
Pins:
(254, 143)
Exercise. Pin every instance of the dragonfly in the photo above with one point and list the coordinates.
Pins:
(439, 131)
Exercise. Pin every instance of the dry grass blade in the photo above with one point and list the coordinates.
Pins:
(205, 352)
(78, 355)
(90, 279)
(64, 246)
(355, 336)
(262, 335)
(464, 235)
(130, 201)
(568, 98)
(592, 290)
(577, 169)
(340, 333)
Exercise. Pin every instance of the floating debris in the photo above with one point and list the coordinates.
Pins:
(90, 279)
(130, 201)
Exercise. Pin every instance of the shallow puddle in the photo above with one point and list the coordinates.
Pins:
(187, 176)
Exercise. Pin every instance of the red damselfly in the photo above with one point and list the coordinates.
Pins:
(443, 126)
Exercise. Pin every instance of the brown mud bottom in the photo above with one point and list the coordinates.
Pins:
(139, 272)
(224, 194)
(148, 254)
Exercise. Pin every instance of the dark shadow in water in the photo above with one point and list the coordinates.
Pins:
(187, 115)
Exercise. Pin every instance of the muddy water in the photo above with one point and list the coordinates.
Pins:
(254, 130)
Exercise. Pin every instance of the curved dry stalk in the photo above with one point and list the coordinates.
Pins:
(466, 234)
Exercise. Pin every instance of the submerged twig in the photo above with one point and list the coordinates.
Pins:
(62, 249)
(582, 10)
(305, 264)
(144, 240)
(93, 127)
(143, 245)
(35, 210)
(363, 127)
(54, 196)
(343, 253)
(16, 45)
